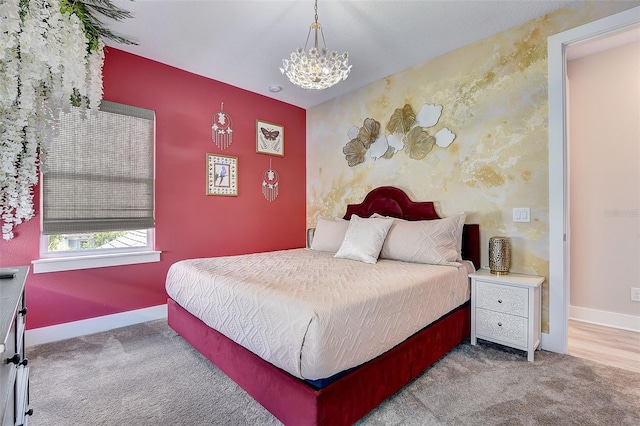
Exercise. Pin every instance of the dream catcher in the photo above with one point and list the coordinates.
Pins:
(221, 131)
(270, 183)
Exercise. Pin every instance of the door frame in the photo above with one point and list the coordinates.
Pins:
(559, 281)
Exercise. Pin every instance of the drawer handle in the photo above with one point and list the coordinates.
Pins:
(499, 300)
(24, 362)
(14, 359)
(29, 412)
(499, 324)
(23, 311)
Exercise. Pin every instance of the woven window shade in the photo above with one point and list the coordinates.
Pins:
(98, 174)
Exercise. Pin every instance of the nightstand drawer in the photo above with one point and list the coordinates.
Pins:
(501, 298)
(22, 395)
(499, 326)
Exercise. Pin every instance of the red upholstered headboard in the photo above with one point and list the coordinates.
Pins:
(391, 201)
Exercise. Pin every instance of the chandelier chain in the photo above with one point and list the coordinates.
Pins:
(316, 8)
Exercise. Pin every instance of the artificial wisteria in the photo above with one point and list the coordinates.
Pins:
(48, 60)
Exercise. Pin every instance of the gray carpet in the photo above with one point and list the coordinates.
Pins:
(147, 375)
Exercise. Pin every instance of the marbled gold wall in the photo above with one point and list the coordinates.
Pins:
(494, 98)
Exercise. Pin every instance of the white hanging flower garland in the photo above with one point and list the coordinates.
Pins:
(45, 61)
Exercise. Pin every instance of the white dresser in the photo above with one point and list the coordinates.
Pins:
(14, 372)
(505, 309)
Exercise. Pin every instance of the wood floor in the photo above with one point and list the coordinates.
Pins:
(611, 346)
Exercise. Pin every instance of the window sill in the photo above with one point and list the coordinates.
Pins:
(93, 261)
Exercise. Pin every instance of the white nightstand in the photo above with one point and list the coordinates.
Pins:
(505, 309)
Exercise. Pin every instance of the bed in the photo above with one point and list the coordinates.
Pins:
(328, 364)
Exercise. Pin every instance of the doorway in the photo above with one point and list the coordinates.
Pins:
(559, 272)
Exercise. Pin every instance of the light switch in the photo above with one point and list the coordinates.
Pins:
(522, 214)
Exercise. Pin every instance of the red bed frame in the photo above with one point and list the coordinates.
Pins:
(295, 402)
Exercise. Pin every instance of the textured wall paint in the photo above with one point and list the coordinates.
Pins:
(188, 223)
(494, 94)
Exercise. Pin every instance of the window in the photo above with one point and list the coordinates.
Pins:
(98, 188)
(111, 240)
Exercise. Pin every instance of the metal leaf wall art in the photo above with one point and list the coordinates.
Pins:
(407, 131)
(401, 120)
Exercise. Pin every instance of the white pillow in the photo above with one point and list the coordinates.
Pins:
(364, 239)
(437, 241)
(329, 234)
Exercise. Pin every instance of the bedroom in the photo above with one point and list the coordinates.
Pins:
(308, 174)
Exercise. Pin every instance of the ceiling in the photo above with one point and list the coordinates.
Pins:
(242, 43)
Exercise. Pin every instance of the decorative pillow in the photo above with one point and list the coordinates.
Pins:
(364, 239)
(437, 241)
(329, 234)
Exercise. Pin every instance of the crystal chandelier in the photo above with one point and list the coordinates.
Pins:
(316, 68)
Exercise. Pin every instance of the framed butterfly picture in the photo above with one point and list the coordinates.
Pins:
(269, 138)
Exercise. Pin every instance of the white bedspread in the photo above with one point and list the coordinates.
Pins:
(311, 314)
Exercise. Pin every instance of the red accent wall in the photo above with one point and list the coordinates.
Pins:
(188, 222)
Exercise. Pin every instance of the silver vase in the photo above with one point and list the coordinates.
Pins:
(499, 255)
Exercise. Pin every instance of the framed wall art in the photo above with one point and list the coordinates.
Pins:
(269, 138)
(222, 175)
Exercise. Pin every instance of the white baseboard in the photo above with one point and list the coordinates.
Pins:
(609, 319)
(68, 330)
